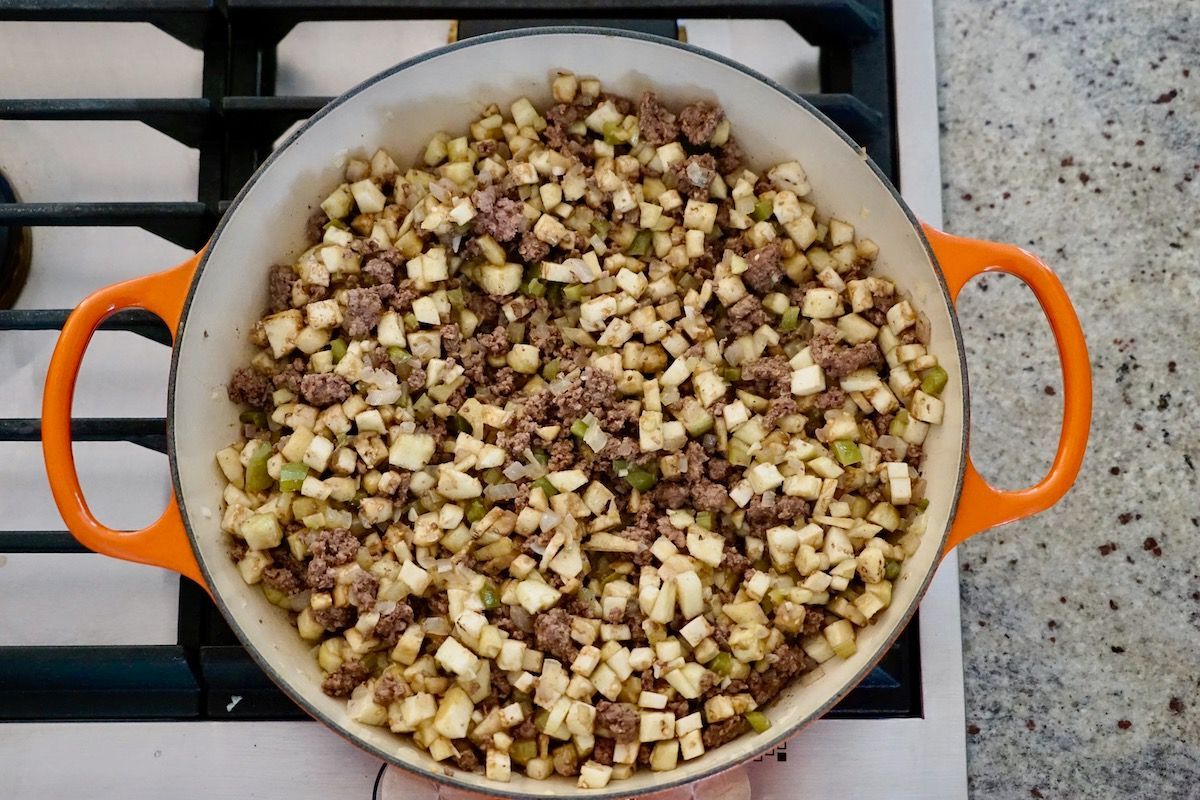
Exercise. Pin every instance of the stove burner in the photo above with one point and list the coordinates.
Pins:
(16, 247)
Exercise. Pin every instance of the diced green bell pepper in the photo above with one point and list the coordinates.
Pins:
(256, 418)
(722, 664)
(475, 511)
(758, 721)
(641, 479)
(640, 245)
(523, 751)
(762, 210)
(933, 380)
(291, 477)
(257, 477)
(846, 452)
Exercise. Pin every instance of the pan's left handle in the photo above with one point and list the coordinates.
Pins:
(164, 542)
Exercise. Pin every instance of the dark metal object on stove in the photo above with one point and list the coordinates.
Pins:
(234, 125)
(16, 249)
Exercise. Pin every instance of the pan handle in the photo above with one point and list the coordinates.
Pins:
(164, 542)
(982, 506)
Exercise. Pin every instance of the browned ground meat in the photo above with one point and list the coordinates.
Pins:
(388, 689)
(773, 372)
(672, 534)
(382, 268)
(839, 361)
(593, 391)
(547, 339)
(504, 383)
(833, 397)
(603, 749)
(282, 579)
(515, 621)
(734, 561)
(330, 548)
(746, 315)
(558, 118)
(552, 632)
(730, 157)
(314, 226)
(763, 268)
(709, 496)
(784, 511)
(814, 621)
(499, 217)
(699, 121)
(883, 298)
(416, 379)
(451, 339)
(621, 720)
(718, 469)
(363, 309)
(393, 623)
(289, 375)
(787, 663)
(656, 124)
(644, 533)
(406, 291)
(915, 455)
(532, 249)
(250, 387)
(671, 495)
(718, 733)
(496, 342)
(342, 681)
(363, 590)
(525, 730)
(334, 618)
(783, 406)
(466, 756)
(562, 456)
(280, 281)
(484, 307)
(695, 174)
(324, 389)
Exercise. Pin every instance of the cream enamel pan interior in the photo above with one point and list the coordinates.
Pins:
(211, 306)
(400, 111)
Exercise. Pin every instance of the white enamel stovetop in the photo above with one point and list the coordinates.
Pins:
(91, 600)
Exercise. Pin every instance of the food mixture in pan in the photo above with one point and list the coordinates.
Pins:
(573, 444)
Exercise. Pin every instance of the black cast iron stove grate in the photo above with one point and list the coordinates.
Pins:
(233, 125)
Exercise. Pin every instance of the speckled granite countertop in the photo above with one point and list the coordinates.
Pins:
(1074, 129)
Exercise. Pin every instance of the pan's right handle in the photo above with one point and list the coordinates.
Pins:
(981, 505)
(163, 543)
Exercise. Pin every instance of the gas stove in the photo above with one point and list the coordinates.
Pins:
(125, 127)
